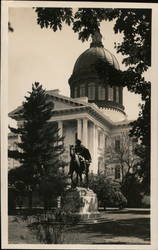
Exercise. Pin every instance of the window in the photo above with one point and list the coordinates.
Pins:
(75, 92)
(110, 93)
(117, 144)
(91, 91)
(82, 90)
(117, 172)
(117, 94)
(101, 93)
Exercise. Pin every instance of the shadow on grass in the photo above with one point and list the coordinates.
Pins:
(129, 211)
(138, 228)
(118, 243)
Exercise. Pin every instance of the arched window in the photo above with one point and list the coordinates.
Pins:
(82, 90)
(91, 91)
(75, 92)
(117, 94)
(110, 93)
(101, 92)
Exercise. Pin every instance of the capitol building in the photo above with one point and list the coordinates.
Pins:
(94, 111)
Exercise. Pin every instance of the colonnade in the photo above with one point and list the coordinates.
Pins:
(87, 131)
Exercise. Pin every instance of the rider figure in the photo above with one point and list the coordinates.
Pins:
(85, 154)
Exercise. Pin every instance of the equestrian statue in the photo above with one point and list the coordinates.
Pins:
(79, 163)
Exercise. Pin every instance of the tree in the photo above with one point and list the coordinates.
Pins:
(40, 146)
(135, 25)
(123, 154)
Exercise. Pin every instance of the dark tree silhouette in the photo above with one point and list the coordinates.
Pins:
(40, 146)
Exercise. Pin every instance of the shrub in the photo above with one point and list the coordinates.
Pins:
(131, 188)
(49, 226)
(108, 191)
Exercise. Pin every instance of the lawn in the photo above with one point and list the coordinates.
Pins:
(128, 226)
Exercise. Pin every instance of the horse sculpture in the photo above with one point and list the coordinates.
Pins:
(78, 166)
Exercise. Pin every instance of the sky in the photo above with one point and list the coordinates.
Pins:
(42, 55)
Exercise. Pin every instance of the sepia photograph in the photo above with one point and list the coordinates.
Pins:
(78, 136)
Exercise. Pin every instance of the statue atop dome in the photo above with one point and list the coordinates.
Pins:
(96, 39)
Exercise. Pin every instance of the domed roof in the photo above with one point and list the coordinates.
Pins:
(86, 81)
(88, 59)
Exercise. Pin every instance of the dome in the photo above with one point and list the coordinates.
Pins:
(87, 60)
(85, 81)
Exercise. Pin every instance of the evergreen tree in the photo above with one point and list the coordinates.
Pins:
(40, 146)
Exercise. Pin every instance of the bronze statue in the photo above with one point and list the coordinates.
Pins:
(79, 163)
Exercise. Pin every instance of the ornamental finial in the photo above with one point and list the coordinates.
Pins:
(96, 39)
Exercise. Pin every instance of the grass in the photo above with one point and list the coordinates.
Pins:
(114, 227)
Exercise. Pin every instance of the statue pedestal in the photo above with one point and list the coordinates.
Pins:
(82, 202)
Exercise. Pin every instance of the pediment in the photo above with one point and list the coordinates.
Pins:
(60, 102)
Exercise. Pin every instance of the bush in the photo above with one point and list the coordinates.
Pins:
(49, 226)
(120, 200)
(108, 191)
(131, 188)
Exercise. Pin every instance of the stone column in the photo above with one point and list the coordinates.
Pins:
(60, 127)
(94, 142)
(79, 129)
(85, 132)
(96, 149)
(93, 148)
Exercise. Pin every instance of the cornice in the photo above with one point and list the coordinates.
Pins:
(79, 107)
(89, 109)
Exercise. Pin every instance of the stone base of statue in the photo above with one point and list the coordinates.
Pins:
(81, 202)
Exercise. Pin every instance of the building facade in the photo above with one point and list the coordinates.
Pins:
(94, 111)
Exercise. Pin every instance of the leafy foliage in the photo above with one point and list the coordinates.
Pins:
(135, 24)
(132, 188)
(54, 17)
(141, 129)
(108, 191)
(49, 226)
(40, 145)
